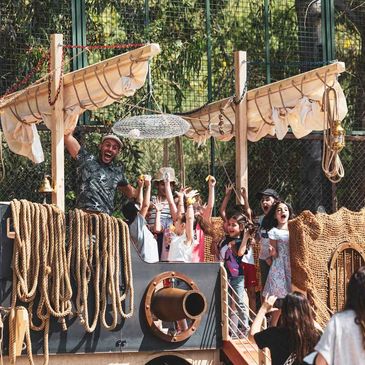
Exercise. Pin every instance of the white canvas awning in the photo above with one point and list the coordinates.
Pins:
(89, 88)
(296, 102)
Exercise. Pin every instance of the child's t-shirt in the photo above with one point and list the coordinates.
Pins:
(179, 250)
(144, 240)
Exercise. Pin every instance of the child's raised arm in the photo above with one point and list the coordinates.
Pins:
(139, 195)
(207, 213)
(157, 227)
(189, 215)
(246, 204)
(223, 207)
(146, 196)
(180, 202)
(169, 197)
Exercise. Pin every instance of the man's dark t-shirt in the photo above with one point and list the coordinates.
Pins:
(278, 341)
(97, 182)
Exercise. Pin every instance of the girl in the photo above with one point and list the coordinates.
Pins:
(239, 236)
(279, 278)
(343, 340)
(296, 334)
(202, 225)
(267, 198)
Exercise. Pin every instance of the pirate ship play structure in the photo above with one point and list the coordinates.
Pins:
(84, 295)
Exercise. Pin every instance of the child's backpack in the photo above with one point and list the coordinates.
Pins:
(231, 264)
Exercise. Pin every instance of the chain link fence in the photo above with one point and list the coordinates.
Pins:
(197, 38)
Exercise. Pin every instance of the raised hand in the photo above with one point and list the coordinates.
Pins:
(212, 181)
(158, 205)
(147, 180)
(269, 302)
(229, 188)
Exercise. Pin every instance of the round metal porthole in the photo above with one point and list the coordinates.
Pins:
(174, 306)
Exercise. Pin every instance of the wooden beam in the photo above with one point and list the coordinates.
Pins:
(57, 124)
(241, 123)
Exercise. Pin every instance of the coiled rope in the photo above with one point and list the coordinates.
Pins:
(40, 274)
(96, 249)
(42, 267)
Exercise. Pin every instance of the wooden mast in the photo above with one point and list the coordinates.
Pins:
(241, 123)
(57, 126)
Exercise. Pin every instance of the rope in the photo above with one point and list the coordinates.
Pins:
(98, 243)
(39, 270)
(331, 163)
(42, 267)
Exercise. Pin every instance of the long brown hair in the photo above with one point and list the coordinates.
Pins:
(355, 298)
(297, 317)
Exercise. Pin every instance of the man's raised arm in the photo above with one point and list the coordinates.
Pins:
(72, 145)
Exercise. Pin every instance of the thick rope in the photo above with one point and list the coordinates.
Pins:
(40, 275)
(98, 243)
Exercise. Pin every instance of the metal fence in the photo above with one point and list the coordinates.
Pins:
(281, 37)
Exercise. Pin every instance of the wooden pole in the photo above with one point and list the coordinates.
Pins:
(241, 123)
(57, 120)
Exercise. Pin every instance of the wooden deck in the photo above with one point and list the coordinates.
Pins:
(243, 352)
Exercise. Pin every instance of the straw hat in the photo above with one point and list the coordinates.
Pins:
(161, 173)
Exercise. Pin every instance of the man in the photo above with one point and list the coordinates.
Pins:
(98, 177)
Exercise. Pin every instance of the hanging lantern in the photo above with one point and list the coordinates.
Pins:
(151, 126)
(338, 136)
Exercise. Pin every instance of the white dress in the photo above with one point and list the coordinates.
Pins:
(341, 342)
(179, 250)
(278, 281)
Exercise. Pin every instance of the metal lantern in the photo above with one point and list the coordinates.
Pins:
(152, 126)
(338, 136)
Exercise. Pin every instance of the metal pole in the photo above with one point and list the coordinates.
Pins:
(79, 60)
(210, 87)
(267, 41)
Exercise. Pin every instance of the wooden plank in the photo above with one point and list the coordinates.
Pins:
(57, 125)
(241, 123)
(241, 352)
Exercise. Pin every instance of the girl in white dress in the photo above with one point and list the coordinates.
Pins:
(278, 282)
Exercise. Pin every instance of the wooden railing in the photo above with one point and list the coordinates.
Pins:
(232, 333)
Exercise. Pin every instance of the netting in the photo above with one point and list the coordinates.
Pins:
(282, 38)
(314, 240)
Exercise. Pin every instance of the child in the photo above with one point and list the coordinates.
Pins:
(219, 250)
(278, 281)
(267, 198)
(166, 215)
(135, 214)
(202, 225)
(233, 262)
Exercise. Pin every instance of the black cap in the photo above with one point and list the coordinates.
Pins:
(268, 192)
